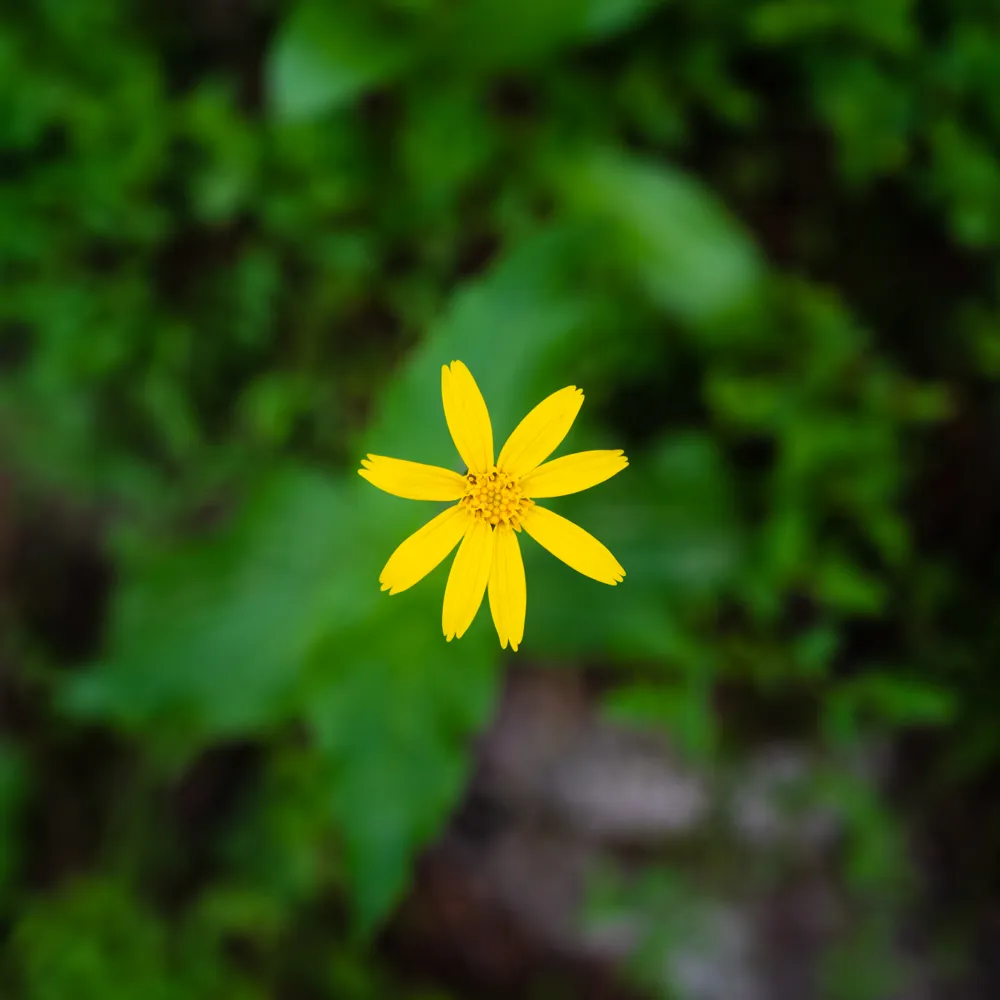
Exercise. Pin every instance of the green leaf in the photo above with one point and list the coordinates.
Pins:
(603, 17)
(492, 34)
(889, 23)
(328, 54)
(966, 177)
(845, 586)
(94, 942)
(870, 112)
(209, 637)
(691, 257)
(886, 698)
(395, 728)
(692, 544)
(670, 521)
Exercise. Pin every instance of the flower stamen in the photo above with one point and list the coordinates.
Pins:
(496, 498)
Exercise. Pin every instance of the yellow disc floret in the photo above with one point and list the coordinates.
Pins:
(495, 497)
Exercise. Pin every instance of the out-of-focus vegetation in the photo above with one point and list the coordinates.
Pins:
(237, 241)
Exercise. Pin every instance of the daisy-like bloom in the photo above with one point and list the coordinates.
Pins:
(495, 500)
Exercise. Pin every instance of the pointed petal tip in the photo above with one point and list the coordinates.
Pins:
(541, 431)
(467, 416)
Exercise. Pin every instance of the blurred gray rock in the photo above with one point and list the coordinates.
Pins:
(561, 797)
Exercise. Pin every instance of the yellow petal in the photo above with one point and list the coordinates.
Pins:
(540, 432)
(467, 417)
(573, 473)
(412, 480)
(424, 549)
(574, 546)
(508, 595)
(467, 580)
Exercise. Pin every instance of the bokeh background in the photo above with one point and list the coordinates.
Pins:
(238, 238)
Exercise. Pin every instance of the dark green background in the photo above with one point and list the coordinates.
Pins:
(238, 238)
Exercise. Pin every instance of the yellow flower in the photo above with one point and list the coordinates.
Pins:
(495, 500)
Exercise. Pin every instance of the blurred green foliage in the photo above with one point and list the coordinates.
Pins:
(237, 241)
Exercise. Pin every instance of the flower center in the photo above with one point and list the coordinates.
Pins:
(495, 497)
